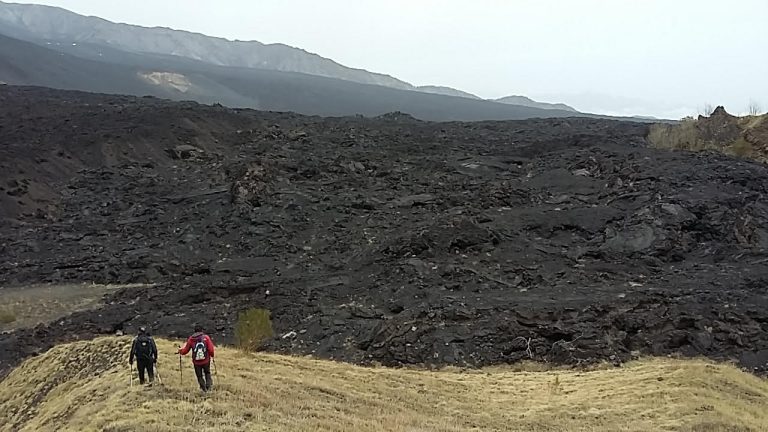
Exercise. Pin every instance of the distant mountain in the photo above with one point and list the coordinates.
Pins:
(26, 63)
(525, 101)
(618, 105)
(174, 64)
(103, 70)
(447, 91)
(509, 100)
(46, 23)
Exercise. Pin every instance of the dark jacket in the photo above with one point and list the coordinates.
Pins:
(141, 352)
(191, 343)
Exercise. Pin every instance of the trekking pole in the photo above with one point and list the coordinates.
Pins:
(181, 374)
(131, 375)
(157, 371)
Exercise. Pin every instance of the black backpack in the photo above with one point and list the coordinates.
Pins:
(143, 348)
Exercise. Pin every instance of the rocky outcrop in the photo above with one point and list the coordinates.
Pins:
(740, 136)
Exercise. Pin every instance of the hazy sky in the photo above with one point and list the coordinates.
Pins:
(657, 57)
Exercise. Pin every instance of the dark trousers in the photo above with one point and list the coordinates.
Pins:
(145, 365)
(203, 373)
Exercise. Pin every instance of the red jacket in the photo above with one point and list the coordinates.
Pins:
(191, 343)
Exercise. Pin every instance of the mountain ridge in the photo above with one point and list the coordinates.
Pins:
(447, 91)
(526, 101)
(43, 24)
(115, 72)
(222, 51)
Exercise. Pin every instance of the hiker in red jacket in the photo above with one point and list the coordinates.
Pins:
(202, 353)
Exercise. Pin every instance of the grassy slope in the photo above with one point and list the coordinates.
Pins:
(277, 393)
(684, 136)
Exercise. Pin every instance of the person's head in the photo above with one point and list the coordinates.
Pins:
(142, 330)
(198, 328)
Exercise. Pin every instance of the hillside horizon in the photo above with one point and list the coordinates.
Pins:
(61, 29)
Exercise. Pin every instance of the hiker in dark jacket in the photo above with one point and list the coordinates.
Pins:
(202, 353)
(144, 351)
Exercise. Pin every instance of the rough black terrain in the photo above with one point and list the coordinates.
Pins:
(383, 240)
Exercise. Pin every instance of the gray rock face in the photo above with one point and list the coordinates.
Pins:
(632, 240)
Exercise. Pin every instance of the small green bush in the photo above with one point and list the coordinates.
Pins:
(6, 316)
(254, 326)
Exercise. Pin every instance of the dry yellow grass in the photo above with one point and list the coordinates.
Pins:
(752, 121)
(686, 136)
(85, 387)
(681, 136)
